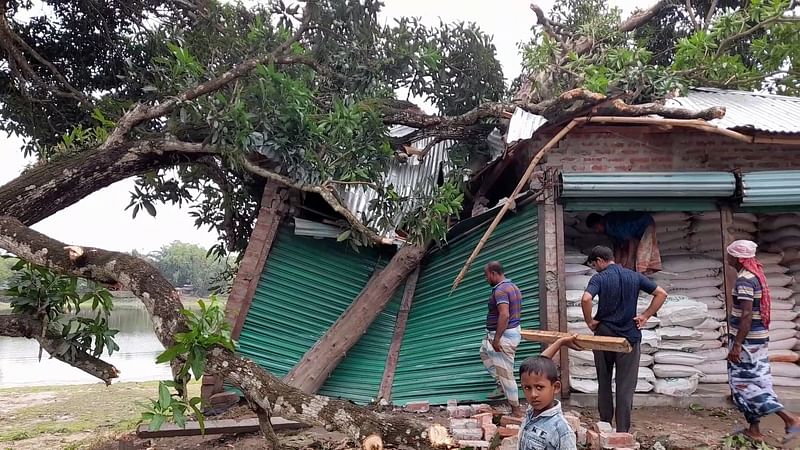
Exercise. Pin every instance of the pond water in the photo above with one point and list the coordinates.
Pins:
(19, 364)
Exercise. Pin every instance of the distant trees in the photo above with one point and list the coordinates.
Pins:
(189, 264)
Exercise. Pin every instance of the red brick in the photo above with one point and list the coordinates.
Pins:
(617, 440)
(489, 430)
(510, 420)
(418, 407)
(473, 444)
(574, 422)
(466, 434)
(507, 432)
(593, 440)
(510, 443)
(483, 418)
(482, 408)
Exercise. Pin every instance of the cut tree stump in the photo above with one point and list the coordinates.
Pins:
(604, 343)
(222, 426)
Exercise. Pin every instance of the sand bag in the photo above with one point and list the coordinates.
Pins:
(678, 334)
(681, 264)
(698, 293)
(683, 346)
(785, 381)
(683, 314)
(785, 369)
(786, 344)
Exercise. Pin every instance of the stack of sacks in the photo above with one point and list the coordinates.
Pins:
(676, 363)
(745, 226)
(672, 231)
(705, 237)
(779, 239)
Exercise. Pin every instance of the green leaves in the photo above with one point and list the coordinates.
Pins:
(170, 406)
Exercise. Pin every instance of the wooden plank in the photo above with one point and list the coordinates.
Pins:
(728, 271)
(604, 343)
(385, 391)
(222, 426)
(562, 296)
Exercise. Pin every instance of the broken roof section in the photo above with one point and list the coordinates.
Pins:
(414, 178)
(746, 111)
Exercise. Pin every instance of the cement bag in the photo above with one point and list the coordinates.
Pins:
(681, 264)
(717, 314)
(710, 335)
(698, 293)
(583, 357)
(670, 217)
(658, 276)
(575, 313)
(774, 222)
(716, 354)
(715, 379)
(712, 302)
(780, 233)
(650, 341)
(694, 283)
(709, 345)
(781, 324)
(675, 371)
(676, 387)
(682, 346)
(709, 324)
(778, 280)
(666, 227)
(670, 236)
(579, 328)
(782, 304)
(782, 243)
(770, 259)
(790, 256)
(577, 269)
(574, 297)
(577, 282)
(577, 258)
(646, 360)
(583, 372)
(780, 335)
(686, 314)
(678, 334)
(785, 382)
(772, 269)
(785, 369)
(786, 344)
(780, 293)
(581, 385)
(713, 367)
(745, 217)
(785, 356)
(641, 387)
(679, 358)
(743, 227)
(707, 246)
(652, 323)
(783, 315)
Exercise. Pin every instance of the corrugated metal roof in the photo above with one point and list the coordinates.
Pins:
(413, 179)
(522, 125)
(746, 110)
(648, 184)
(439, 357)
(771, 188)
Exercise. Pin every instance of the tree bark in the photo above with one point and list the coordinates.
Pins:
(318, 362)
(29, 327)
(259, 386)
(49, 187)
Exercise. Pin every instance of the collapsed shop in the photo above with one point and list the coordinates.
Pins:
(703, 189)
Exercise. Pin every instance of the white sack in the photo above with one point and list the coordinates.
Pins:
(785, 369)
(717, 354)
(715, 379)
(679, 358)
(577, 282)
(718, 367)
(677, 387)
(678, 333)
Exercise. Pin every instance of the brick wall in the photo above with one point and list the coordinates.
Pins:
(630, 151)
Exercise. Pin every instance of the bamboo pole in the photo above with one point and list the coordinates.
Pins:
(522, 182)
(697, 124)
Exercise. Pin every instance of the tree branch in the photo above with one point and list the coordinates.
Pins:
(142, 113)
(323, 191)
(727, 42)
(692, 18)
(641, 17)
(25, 326)
(711, 10)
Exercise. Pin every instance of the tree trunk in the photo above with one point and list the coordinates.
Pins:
(317, 364)
(47, 188)
(162, 302)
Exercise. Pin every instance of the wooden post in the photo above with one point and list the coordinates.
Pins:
(266, 228)
(728, 271)
(562, 295)
(544, 304)
(385, 391)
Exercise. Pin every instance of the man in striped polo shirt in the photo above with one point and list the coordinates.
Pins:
(502, 334)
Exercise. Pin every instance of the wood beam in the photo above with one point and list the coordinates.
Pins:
(602, 343)
(385, 391)
(728, 271)
(562, 295)
(222, 426)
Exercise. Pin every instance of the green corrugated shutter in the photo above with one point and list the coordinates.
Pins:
(439, 358)
(306, 284)
(646, 191)
(771, 191)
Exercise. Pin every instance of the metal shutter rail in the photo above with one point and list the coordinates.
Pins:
(772, 188)
(617, 185)
(439, 358)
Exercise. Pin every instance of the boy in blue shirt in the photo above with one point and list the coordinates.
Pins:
(544, 426)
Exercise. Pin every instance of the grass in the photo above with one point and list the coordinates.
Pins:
(56, 412)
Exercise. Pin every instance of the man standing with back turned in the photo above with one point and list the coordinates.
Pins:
(618, 290)
(502, 334)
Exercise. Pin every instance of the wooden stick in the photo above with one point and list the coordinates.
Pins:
(604, 343)
(522, 183)
(385, 390)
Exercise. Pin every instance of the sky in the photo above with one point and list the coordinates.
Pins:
(100, 219)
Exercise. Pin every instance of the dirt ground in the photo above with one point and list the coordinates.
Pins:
(99, 417)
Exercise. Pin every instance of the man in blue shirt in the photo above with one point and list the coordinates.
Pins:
(634, 238)
(618, 291)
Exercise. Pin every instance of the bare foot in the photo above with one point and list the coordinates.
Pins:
(755, 436)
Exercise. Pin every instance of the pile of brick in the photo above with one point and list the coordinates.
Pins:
(598, 435)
